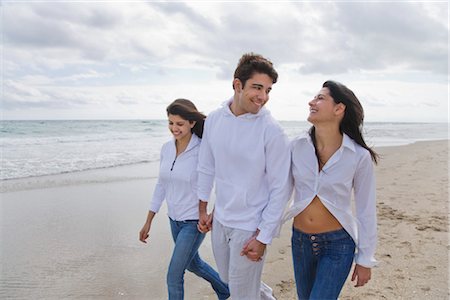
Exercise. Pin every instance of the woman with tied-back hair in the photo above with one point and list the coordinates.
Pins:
(328, 165)
(177, 184)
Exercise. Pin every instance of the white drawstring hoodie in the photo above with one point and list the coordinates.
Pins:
(248, 157)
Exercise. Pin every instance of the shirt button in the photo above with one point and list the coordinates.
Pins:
(313, 238)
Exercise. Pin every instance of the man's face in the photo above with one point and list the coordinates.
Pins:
(254, 95)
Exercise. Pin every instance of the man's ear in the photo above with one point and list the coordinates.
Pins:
(192, 123)
(237, 85)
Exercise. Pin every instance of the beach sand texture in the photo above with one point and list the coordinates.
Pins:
(413, 244)
(76, 235)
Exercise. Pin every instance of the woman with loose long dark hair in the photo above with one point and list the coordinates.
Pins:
(330, 164)
(177, 184)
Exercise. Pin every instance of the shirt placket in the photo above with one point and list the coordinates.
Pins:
(317, 183)
(172, 187)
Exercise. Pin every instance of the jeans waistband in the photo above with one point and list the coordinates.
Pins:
(324, 236)
(184, 221)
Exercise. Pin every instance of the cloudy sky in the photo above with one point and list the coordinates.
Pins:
(129, 59)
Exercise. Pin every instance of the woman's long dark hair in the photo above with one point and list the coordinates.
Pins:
(187, 110)
(352, 122)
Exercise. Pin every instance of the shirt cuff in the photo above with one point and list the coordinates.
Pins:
(367, 261)
(155, 207)
(264, 237)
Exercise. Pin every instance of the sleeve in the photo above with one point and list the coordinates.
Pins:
(206, 166)
(159, 193)
(290, 210)
(365, 205)
(278, 161)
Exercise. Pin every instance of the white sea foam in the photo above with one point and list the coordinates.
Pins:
(37, 148)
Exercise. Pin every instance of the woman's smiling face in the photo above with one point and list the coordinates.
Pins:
(179, 127)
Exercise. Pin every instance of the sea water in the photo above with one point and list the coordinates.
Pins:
(37, 148)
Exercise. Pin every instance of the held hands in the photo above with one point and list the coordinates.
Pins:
(253, 249)
(361, 274)
(205, 222)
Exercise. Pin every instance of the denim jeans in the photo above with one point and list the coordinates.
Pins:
(185, 257)
(322, 263)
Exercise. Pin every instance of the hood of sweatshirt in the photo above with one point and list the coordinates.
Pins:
(193, 142)
(227, 111)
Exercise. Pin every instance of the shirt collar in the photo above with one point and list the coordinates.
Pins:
(347, 142)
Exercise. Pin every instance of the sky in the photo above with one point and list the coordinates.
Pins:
(130, 59)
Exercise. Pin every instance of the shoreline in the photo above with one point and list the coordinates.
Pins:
(76, 236)
(140, 171)
(131, 172)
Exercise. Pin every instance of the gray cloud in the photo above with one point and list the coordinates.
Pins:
(375, 36)
(31, 31)
(332, 38)
(99, 16)
(240, 29)
(58, 24)
(191, 16)
(326, 38)
(154, 40)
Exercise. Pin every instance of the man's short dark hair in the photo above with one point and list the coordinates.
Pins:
(251, 63)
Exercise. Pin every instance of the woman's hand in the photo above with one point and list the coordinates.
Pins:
(361, 274)
(253, 249)
(143, 234)
(205, 222)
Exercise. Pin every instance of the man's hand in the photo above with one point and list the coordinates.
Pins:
(204, 220)
(361, 274)
(253, 249)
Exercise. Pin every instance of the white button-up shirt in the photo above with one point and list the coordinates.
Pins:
(349, 169)
(177, 181)
(248, 157)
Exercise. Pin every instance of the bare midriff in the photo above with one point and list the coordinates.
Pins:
(316, 218)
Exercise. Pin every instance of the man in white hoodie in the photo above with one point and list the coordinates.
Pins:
(246, 153)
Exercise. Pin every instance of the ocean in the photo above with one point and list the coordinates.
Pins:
(37, 148)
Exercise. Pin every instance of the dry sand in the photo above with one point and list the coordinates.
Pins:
(413, 241)
(76, 235)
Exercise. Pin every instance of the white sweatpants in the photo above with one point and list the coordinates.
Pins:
(242, 275)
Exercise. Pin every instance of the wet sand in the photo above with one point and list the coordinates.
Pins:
(76, 235)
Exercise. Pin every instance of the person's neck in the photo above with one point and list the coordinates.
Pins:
(234, 108)
(328, 136)
(182, 144)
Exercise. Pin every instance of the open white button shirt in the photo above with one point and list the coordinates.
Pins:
(350, 168)
(177, 181)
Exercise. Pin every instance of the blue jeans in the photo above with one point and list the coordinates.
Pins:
(185, 257)
(322, 263)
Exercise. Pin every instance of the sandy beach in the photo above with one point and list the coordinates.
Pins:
(75, 236)
(413, 241)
